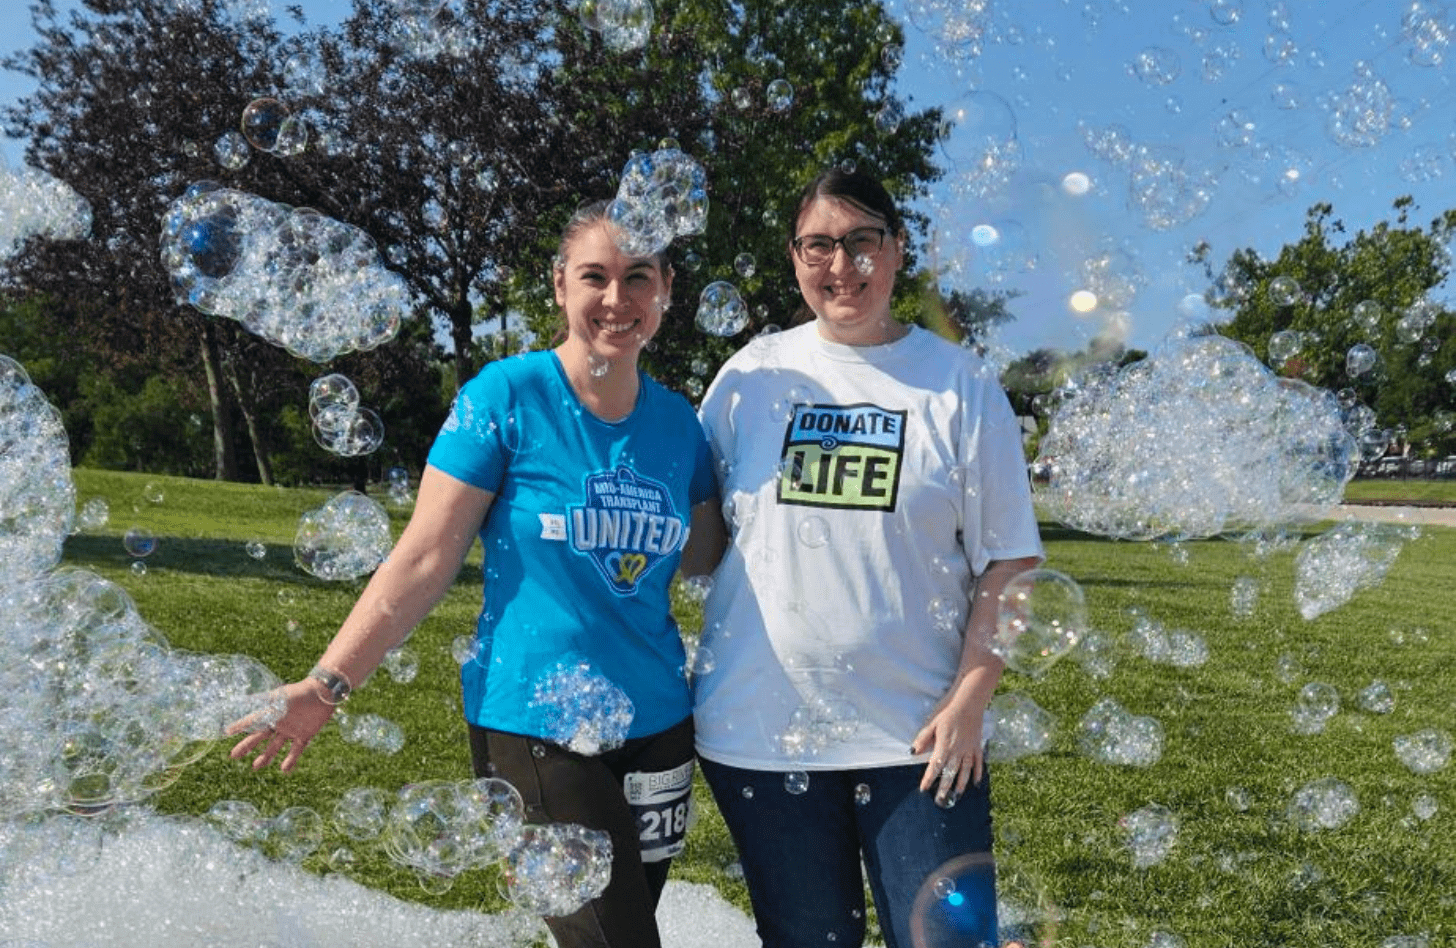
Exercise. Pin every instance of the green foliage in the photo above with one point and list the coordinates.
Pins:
(1234, 877)
(1359, 291)
(161, 427)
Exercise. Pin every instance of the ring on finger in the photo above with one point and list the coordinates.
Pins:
(950, 769)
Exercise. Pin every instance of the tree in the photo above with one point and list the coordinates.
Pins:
(112, 120)
(1306, 309)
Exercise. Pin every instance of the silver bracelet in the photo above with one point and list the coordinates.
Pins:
(334, 683)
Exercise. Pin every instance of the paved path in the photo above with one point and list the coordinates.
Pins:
(1424, 516)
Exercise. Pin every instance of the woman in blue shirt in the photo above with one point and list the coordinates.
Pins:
(581, 475)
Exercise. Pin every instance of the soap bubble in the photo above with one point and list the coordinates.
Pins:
(1284, 291)
(625, 25)
(1359, 360)
(1316, 704)
(139, 542)
(231, 150)
(825, 718)
(1328, 803)
(780, 95)
(401, 664)
(956, 904)
(262, 120)
(1150, 834)
(93, 515)
(796, 782)
(1377, 698)
(346, 538)
(1042, 615)
(293, 834)
(1284, 345)
(360, 813)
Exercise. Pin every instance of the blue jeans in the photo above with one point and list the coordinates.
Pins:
(930, 869)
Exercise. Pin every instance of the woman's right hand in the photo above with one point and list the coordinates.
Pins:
(305, 715)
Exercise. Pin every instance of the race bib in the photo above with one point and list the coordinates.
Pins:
(663, 805)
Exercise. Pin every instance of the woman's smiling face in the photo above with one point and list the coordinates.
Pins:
(613, 302)
(850, 298)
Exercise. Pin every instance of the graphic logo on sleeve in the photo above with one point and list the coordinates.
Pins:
(842, 456)
(627, 525)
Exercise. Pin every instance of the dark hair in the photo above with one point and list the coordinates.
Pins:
(854, 187)
(587, 215)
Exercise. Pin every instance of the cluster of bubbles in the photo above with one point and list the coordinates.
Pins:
(37, 497)
(345, 538)
(1150, 834)
(291, 836)
(370, 731)
(1018, 727)
(100, 710)
(1041, 616)
(441, 828)
(721, 310)
(1162, 646)
(32, 203)
(625, 25)
(428, 29)
(136, 877)
(1110, 734)
(340, 424)
(1327, 803)
(580, 708)
(267, 124)
(826, 718)
(303, 281)
(1164, 189)
(1332, 567)
(397, 486)
(1315, 705)
(1198, 439)
(662, 195)
(556, 868)
(1425, 751)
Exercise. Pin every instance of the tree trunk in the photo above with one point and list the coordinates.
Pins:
(250, 420)
(461, 337)
(225, 462)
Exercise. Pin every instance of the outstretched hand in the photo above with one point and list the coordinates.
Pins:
(305, 716)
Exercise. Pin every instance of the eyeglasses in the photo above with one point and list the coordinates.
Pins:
(817, 249)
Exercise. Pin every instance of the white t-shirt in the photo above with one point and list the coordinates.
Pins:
(865, 488)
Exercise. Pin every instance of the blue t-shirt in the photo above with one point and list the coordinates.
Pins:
(581, 541)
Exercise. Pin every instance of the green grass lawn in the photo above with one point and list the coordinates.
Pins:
(1395, 490)
(1237, 876)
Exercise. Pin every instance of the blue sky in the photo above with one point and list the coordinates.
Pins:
(1237, 98)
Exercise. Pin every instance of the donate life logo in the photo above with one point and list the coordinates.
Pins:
(842, 456)
(627, 525)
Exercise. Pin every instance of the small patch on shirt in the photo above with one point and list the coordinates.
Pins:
(553, 526)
